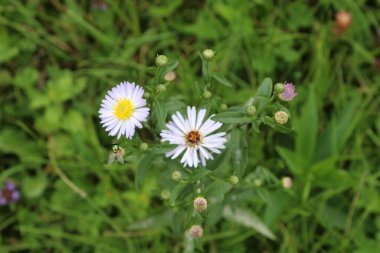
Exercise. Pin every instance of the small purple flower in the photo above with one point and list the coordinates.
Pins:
(9, 194)
(289, 93)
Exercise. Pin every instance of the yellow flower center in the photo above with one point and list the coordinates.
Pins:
(123, 109)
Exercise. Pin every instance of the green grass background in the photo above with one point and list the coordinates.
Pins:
(58, 58)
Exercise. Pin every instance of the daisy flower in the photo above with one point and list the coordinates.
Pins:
(192, 136)
(123, 109)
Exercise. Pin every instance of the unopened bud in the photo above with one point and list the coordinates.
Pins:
(286, 182)
(281, 117)
(161, 60)
(146, 95)
(165, 194)
(233, 180)
(251, 110)
(279, 88)
(257, 182)
(177, 175)
(161, 88)
(223, 107)
(196, 231)
(207, 94)
(200, 204)
(170, 76)
(343, 20)
(208, 54)
(144, 146)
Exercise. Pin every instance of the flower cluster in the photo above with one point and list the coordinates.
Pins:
(195, 135)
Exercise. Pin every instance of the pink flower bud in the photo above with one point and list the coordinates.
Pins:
(343, 20)
(196, 231)
(200, 204)
(287, 182)
(170, 76)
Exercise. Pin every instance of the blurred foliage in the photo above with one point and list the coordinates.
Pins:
(57, 60)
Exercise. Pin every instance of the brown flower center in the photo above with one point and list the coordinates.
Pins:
(193, 138)
(7, 194)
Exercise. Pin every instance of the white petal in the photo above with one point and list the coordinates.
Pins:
(191, 116)
(201, 116)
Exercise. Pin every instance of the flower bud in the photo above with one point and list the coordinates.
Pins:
(196, 231)
(233, 180)
(251, 110)
(170, 76)
(281, 117)
(200, 204)
(287, 182)
(146, 95)
(223, 107)
(279, 88)
(207, 94)
(208, 54)
(161, 60)
(257, 182)
(177, 175)
(343, 20)
(144, 146)
(161, 88)
(165, 194)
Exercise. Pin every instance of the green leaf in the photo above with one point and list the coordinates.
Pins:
(265, 89)
(175, 192)
(307, 127)
(269, 121)
(238, 149)
(232, 118)
(51, 120)
(16, 142)
(143, 168)
(217, 189)
(221, 79)
(291, 160)
(160, 113)
(33, 187)
(248, 219)
(198, 174)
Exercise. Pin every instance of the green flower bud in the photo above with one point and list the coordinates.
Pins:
(223, 107)
(233, 180)
(279, 88)
(257, 182)
(207, 94)
(251, 110)
(177, 176)
(165, 194)
(281, 117)
(161, 60)
(161, 88)
(208, 54)
(146, 95)
(144, 146)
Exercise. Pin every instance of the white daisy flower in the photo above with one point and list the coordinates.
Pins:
(123, 109)
(192, 135)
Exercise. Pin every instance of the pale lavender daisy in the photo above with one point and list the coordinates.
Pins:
(192, 135)
(122, 109)
(289, 92)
